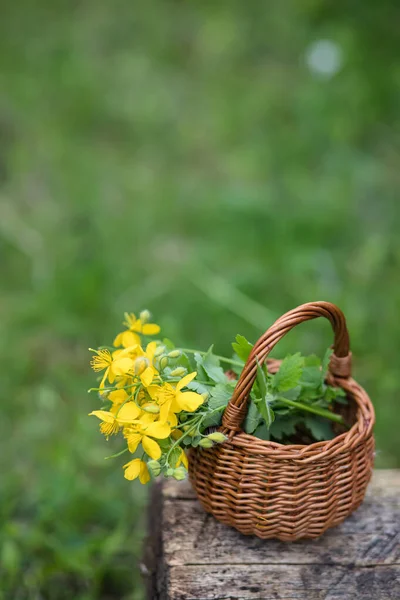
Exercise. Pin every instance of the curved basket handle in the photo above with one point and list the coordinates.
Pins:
(340, 362)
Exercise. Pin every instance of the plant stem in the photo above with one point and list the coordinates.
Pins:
(231, 361)
(118, 454)
(316, 411)
(177, 442)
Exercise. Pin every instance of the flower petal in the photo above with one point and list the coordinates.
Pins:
(183, 459)
(103, 415)
(147, 376)
(151, 448)
(185, 381)
(150, 350)
(133, 440)
(189, 401)
(165, 408)
(120, 366)
(154, 391)
(128, 413)
(172, 419)
(144, 475)
(118, 340)
(129, 338)
(103, 381)
(136, 326)
(150, 329)
(132, 469)
(118, 396)
(158, 430)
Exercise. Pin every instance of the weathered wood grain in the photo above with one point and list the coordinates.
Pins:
(192, 556)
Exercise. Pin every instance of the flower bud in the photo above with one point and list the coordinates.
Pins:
(154, 467)
(179, 474)
(217, 436)
(178, 372)
(206, 443)
(141, 363)
(153, 409)
(189, 430)
(163, 362)
(144, 316)
(174, 354)
(169, 472)
(159, 350)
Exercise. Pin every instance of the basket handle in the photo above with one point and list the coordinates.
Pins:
(339, 366)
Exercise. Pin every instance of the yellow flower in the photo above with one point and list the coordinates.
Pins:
(173, 400)
(115, 364)
(111, 423)
(134, 326)
(182, 460)
(137, 468)
(144, 364)
(142, 431)
(117, 397)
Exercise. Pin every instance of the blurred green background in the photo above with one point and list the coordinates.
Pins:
(217, 163)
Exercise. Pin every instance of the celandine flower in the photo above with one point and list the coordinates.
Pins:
(135, 326)
(142, 431)
(137, 468)
(115, 364)
(173, 400)
(112, 423)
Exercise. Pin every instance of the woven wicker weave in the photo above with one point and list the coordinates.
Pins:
(289, 492)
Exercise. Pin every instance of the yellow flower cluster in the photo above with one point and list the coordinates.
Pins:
(146, 397)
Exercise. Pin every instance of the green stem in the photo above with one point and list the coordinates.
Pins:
(316, 411)
(118, 454)
(231, 361)
(177, 443)
(112, 389)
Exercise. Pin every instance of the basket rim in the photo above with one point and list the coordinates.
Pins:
(360, 431)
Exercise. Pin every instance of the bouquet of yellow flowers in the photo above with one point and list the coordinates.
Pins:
(164, 399)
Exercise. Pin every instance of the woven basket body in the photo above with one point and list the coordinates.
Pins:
(272, 490)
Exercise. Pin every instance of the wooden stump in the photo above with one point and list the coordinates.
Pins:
(191, 556)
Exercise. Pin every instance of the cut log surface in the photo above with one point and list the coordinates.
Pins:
(191, 556)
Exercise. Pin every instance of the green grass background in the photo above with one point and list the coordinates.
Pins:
(180, 157)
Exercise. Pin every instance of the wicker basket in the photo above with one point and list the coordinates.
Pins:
(289, 492)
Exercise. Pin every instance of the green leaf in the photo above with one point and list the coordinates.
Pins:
(219, 398)
(212, 420)
(289, 373)
(292, 394)
(312, 377)
(262, 432)
(183, 361)
(187, 441)
(264, 403)
(320, 429)
(325, 362)
(168, 344)
(252, 419)
(174, 456)
(200, 388)
(284, 427)
(242, 347)
(195, 441)
(201, 372)
(211, 366)
(220, 395)
(312, 361)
